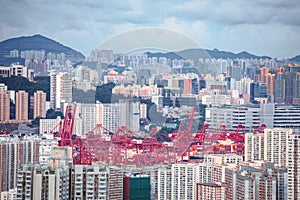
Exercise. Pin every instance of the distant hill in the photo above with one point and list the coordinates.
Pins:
(215, 53)
(195, 54)
(170, 55)
(295, 59)
(36, 42)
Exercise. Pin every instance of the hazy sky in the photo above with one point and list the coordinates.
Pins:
(263, 27)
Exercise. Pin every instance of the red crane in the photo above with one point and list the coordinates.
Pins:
(80, 148)
(66, 130)
(261, 129)
(126, 147)
(200, 135)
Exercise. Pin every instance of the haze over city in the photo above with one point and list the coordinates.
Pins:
(148, 100)
(263, 28)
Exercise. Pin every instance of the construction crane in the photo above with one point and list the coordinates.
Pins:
(261, 129)
(125, 147)
(66, 130)
(80, 148)
(200, 135)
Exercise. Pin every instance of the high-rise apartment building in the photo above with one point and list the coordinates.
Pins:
(256, 180)
(296, 88)
(130, 114)
(243, 86)
(292, 80)
(183, 181)
(209, 191)
(47, 143)
(4, 106)
(60, 89)
(115, 183)
(270, 82)
(88, 113)
(280, 85)
(164, 183)
(210, 173)
(21, 106)
(254, 146)
(39, 108)
(89, 182)
(12, 155)
(43, 182)
(271, 146)
(287, 83)
(222, 159)
(108, 115)
(262, 74)
(49, 181)
(276, 145)
(235, 72)
(293, 166)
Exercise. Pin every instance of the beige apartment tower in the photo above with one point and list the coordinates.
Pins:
(4, 106)
(21, 106)
(39, 104)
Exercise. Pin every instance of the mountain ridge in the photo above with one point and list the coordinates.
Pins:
(195, 54)
(37, 42)
(40, 42)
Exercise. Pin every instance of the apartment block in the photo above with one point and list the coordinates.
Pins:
(256, 180)
(21, 106)
(89, 182)
(276, 145)
(115, 183)
(210, 173)
(43, 182)
(254, 146)
(14, 153)
(108, 115)
(164, 183)
(60, 89)
(88, 114)
(39, 108)
(46, 145)
(183, 181)
(222, 159)
(293, 166)
(48, 125)
(130, 114)
(209, 191)
(4, 106)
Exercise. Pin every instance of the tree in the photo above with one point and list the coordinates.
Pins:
(52, 114)
(83, 97)
(104, 92)
(36, 121)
